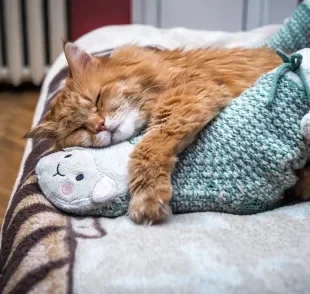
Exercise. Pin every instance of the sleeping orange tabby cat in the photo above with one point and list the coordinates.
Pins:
(173, 94)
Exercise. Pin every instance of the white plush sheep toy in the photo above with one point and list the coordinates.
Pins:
(82, 180)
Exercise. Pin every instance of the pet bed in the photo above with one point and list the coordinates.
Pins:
(46, 251)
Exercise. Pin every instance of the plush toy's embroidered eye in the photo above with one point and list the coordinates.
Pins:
(79, 177)
(69, 155)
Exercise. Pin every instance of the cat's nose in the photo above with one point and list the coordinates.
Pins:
(95, 123)
(100, 126)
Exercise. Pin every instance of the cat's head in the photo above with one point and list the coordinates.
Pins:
(104, 100)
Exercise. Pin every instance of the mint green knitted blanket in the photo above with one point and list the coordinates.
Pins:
(247, 157)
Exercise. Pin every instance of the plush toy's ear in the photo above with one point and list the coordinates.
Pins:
(105, 190)
(305, 126)
(77, 58)
(45, 129)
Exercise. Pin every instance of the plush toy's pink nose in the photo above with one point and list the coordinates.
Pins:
(66, 189)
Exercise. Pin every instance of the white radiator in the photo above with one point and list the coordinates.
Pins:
(18, 41)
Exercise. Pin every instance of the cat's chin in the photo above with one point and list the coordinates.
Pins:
(118, 137)
(123, 132)
(104, 138)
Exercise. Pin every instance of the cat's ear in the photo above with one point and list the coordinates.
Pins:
(77, 58)
(45, 129)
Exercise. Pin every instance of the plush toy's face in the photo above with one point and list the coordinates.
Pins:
(70, 179)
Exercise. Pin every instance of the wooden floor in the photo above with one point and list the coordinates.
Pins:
(16, 112)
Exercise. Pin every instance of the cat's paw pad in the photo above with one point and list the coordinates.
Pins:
(148, 210)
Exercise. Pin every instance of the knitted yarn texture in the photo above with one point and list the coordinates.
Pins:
(246, 158)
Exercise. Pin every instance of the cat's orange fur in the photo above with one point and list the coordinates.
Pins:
(173, 94)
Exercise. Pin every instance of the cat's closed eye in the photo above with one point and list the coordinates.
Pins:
(114, 106)
(97, 99)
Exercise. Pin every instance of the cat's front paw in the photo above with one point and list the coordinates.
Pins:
(150, 191)
(145, 209)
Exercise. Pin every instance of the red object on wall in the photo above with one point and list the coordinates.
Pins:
(87, 15)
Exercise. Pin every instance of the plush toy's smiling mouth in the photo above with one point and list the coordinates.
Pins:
(57, 171)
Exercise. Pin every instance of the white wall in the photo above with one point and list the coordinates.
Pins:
(229, 15)
(201, 14)
(263, 12)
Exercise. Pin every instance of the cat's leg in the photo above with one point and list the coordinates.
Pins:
(181, 113)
